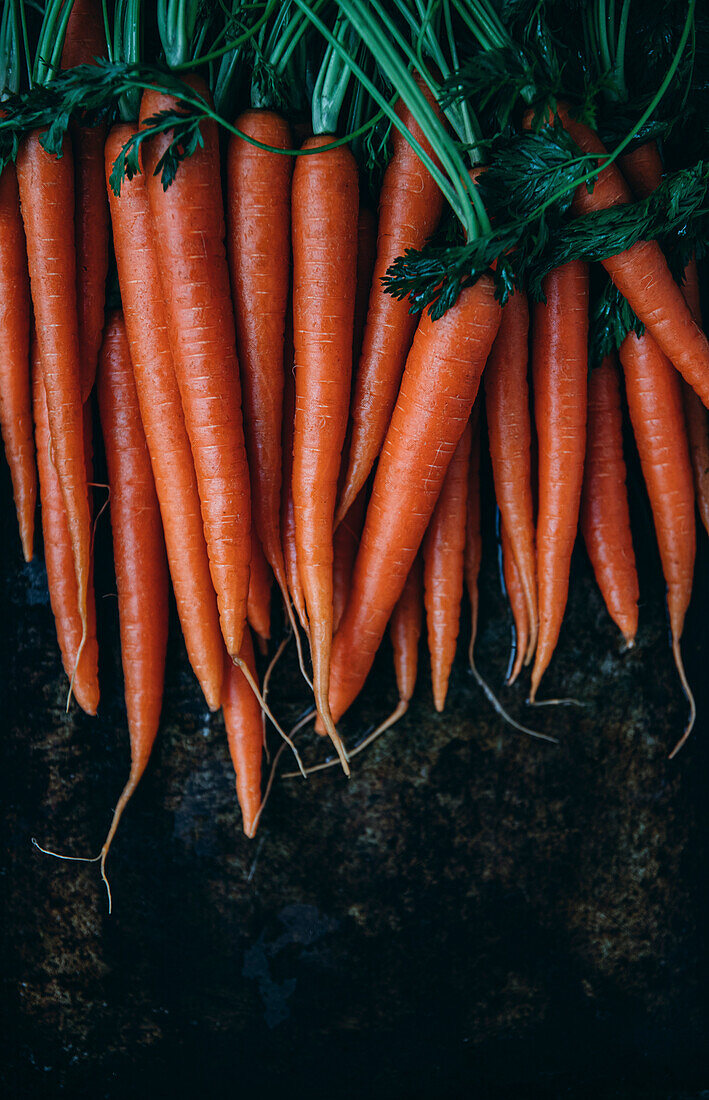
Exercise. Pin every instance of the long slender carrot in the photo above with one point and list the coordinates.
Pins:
(518, 604)
(605, 518)
(559, 364)
(138, 553)
(46, 186)
(345, 545)
(258, 236)
(189, 226)
(244, 728)
(58, 558)
(405, 630)
(85, 41)
(258, 604)
(473, 533)
(163, 423)
(15, 389)
(437, 393)
(510, 433)
(654, 397)
(290, 554)
(443, 551)
(325, 212)
(410, 207)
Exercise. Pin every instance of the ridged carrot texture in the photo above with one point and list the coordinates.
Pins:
(138, 554)
(605, 517)
(85, 40)
(473, 533)
(694, 411)
(345, 546)
(290, 553)
(188, 221)
(437, 393)
(641, 272)
(258, 605)
(325, 212)
(244, 729)
(559, 365)
(59, 561)
(258, 209)
(163, 423)
(46, 186)
(654, 398)
(518, 604)
(510, 432)
(410, 207)
(15, 388)
(443, 550)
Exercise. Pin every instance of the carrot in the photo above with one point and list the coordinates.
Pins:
(694, 411)
(642, 168)
(138, 552)
(80, 663)
(325, 210)
(443, 550)
(258, 237)
(163, 423)
(366, 257)
(188, 222)
(84, 42)
(641, 273)
(437, 393)
(405, 630)
(290, 556)
(244, 728)
(654, 397)
(559, 364)
(473, 535)
(46, 185)
(410, 207)
(510, 433)
(518, 604)
(15, 389)
(258, 604)
(605, 518)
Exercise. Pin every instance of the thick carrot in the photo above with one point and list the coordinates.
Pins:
(138, 553)
(325, 212)
(410, 207)
(605, 518)
(437, 393)
(510, 432)
(46, 186)
(443, 550)
(642, 168)
(188, 221)
(473, 533)
(694, 411)
(405, 631)
(654, 397)
(258, 604)
(290, 554)
(58, 558)
(518, 604)
(15, 389)
(559, 365)
(641, 273)
(345, 546)
(244, 729)
(163, 423)
(84, 42)
(258, 236)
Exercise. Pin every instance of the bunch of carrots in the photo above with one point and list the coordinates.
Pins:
(287, 266)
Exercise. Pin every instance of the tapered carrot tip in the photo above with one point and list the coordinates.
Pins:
(439, 699)
(249, 817)
(87, 696)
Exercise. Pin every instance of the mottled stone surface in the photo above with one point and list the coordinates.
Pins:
(473, 914)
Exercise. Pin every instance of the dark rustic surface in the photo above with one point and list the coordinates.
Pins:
(473, 914)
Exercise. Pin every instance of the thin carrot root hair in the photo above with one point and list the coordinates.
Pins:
(296, 634)
(676, 653)
(533, 702)
(267, 710)
(309, 714)
(266, 684)
(82, 643)
(516, 660)
(497, 705)
(100, 858)
(398, 713)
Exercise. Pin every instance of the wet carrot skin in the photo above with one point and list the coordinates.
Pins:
(518, 605)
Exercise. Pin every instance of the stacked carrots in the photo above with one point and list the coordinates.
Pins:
(270, 414)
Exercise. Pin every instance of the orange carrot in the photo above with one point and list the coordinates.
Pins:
(244, 729)
(15, 390)
(443, 550)
(287, 509)
(345, 545)
(138, 552)
(437, 393)
(473, 535)
(46, 186)
(510, 432)
(518, 604)
(642, 168)
(61, 579)
(163, 423)
(84, 42)
(325, 211)
(405, 630)
(410, 207)
(654, 397)
(694, 411)
(605, 518)
(188, 221)
(258, 605)
(559, 364)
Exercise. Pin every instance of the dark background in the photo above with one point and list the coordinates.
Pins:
(473, 914)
